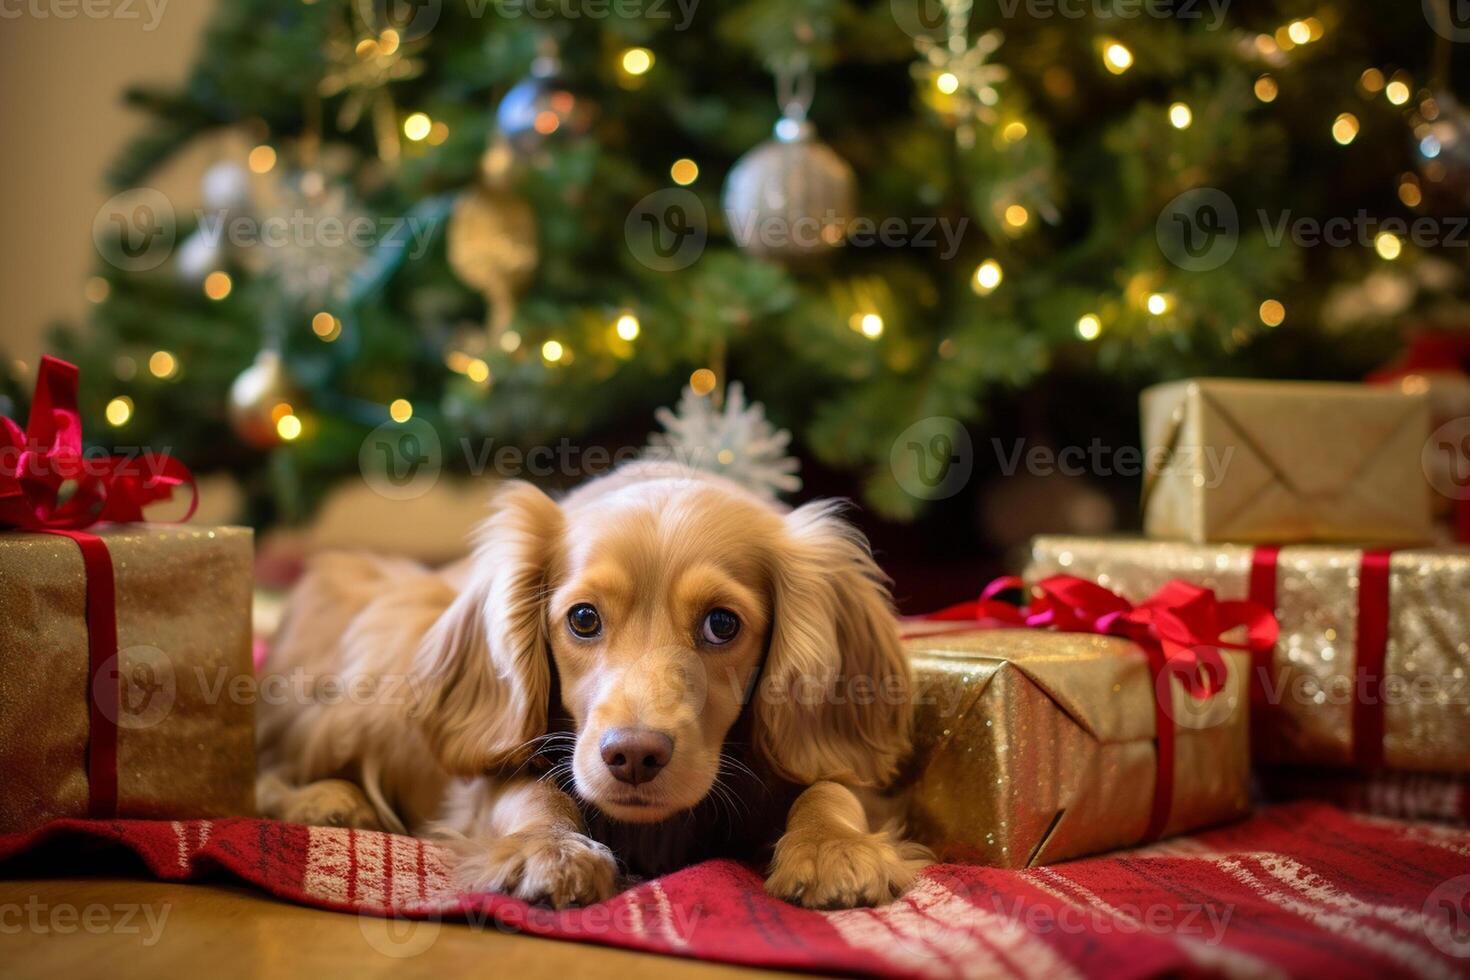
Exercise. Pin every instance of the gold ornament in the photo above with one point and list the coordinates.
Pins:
(493, 249)
(259, 399)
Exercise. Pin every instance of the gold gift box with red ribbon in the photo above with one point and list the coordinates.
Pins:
(1372, 667)
(164, 725)
(126, 681)
(1034, 744)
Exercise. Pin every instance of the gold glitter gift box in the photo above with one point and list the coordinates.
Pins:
(1251, 461)
(184, 717)
(1320, 700)
(1033, 746)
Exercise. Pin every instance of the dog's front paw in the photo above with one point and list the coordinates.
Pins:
(556, 868)
(330, 803)
(840, 870)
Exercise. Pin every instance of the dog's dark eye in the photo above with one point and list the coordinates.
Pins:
(720, 626)
(584, 620)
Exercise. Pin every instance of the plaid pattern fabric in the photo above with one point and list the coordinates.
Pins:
(1299, 889)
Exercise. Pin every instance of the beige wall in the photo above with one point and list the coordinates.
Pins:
(61, 78)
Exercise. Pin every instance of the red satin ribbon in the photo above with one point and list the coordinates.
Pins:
(36, 464)
(1371, 651)
(1181, 628)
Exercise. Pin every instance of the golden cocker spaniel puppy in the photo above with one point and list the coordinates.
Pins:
(663, 667)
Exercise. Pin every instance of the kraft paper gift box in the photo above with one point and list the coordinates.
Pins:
(161, 728)
(1372, 667)
(1033, 746)
(1278, 461)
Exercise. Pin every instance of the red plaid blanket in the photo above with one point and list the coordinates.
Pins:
(1301, 889)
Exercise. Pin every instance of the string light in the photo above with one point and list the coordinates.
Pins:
(871, 326)
(1409, 191)
(510, 341)
(162, 364)
(1089, 327)
(947, 82)
(326, 326)
(1158, 304)
(1180, 116)
(416, 127)
(1299, 32)
(288, 427)
(1371, 80)
(702, 381)
(438, 133)
(1387, 245)
(388, 41)
(217, 285)
(1397, 92)
(1272, 313)
(1017, 216)
(637, 61)
(119, 410)
(684, 171)
(1345, 128)
(1266, 89)
(96, 289)
(1116, 58)
(400, 410)
(987, 276)
(552, 351)
(477, 371)
(1014, 131)
(628, 327)
(262, 159)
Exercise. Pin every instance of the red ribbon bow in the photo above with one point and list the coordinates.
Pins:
(1181, 628)
(36, 465)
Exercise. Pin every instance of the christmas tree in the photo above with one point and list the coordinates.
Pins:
(525, 221)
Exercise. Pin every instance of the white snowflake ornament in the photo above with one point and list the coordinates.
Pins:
(736, 441)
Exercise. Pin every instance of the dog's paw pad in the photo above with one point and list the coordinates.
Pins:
(838, 872)
(559, 869)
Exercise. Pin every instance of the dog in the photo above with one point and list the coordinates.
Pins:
(660, 668)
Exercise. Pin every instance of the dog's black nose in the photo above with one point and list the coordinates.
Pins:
(635, 755)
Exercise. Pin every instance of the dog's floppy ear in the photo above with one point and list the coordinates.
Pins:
(834, 701)
(481, 675)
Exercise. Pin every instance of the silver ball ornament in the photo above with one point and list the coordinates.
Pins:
(792, 197)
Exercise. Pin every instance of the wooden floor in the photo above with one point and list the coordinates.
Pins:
(120, 928)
